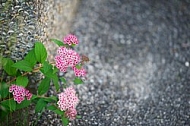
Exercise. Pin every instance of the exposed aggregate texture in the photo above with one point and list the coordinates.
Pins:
(19, 27)
(139, 53)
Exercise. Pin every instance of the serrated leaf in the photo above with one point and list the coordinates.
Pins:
(23, 104)
(44, 86)
(40, 105)
(22, 81)
(23, 65)
(40, 52)
(78, 81)
(31, 58)
(58, 42)
(7, 66)
(4, 91)
(9, 104)
(65, 121)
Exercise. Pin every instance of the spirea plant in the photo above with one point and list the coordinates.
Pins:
(15, 93)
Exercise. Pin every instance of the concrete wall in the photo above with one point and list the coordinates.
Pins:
(23, 22)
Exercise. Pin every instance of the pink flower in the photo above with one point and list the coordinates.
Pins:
(71, 113)
(66, 58)
(70, 39)
(67, 99)
(19, 93)
(79, 72)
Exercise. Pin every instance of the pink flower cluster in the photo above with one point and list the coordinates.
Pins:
(69, 58)
(79, 72)
(71, 113)
(65, 58)
(70, 39)
(68, 102)
(19, 93)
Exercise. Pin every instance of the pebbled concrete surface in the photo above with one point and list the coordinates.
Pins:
(139, 62)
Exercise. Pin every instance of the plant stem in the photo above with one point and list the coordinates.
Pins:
(35, 70)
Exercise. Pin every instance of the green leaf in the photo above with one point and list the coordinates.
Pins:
(1, 61)
(55, 70)
(40, 52)
(44, 86)
(4, 91)
(53, 98)
(59, 112)
(23, 65)
(48, 72)
(3, 113)
(7, 66)
(58, 42)
(63, 80)
(56, 82)
(65, 121)
(31, 58)
(52, 107)
(78, 81)
(55, 109)
(73, 45)
(46, 67)
(40, 105)
(34, 97)
(23, 104)
(78, 66)
(22, 81)
(49, 99)
(9, 104)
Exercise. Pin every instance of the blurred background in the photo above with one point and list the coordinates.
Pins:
(139, 62)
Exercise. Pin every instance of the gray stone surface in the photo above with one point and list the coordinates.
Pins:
(139, 53)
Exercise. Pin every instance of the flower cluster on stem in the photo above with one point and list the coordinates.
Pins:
(67, 57)
(19, 93)
(70, 39)
(68, 102)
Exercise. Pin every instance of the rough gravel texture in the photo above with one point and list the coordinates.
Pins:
(139, 62)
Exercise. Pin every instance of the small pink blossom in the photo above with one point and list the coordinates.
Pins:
(70, 39)
(66, 58)
(79, 72)
(67, 99)
(19, 93)
(71, 113)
